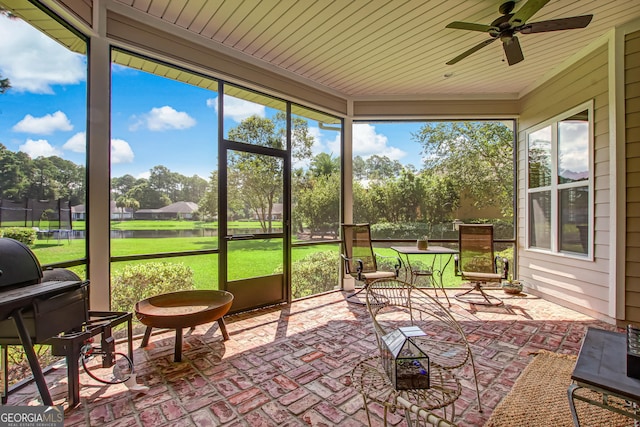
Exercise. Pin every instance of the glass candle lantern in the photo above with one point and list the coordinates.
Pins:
(406, 364)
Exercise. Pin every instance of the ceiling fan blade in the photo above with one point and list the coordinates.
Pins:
(469, 26)
(557, 24)
(527, 11)
(512, 50)
(472, 50)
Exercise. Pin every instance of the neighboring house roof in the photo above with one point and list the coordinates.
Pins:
(180, 207)
(176, 208)
(277, 208)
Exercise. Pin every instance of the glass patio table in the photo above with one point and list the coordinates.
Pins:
(441, 258)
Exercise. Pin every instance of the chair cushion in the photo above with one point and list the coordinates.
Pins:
(378, 275)
(472, 275)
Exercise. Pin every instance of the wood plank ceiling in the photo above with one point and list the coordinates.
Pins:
(378, 49)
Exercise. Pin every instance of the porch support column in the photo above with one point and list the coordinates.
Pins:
(348, 283)
(617, 171)
(347, 172)
(98, 160)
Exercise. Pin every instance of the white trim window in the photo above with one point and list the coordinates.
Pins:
(559, 182)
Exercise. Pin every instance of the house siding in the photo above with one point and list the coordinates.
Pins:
(582, 284)
(632, 153)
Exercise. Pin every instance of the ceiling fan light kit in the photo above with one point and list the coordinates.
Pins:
(505, 28)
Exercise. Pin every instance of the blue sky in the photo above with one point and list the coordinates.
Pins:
(155, 121)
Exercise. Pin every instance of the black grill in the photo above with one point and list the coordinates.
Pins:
(33, 311)
(50, 307)
(18, 265)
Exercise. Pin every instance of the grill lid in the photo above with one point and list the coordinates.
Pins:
(18, 264)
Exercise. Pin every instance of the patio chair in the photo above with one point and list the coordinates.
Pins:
(476, 263)
(360, 261)
(393, 304)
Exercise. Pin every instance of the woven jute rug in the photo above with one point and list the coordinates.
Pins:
(539, 398)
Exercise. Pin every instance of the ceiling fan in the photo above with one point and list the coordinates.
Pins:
(506, 26)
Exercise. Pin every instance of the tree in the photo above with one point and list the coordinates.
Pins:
(124, 202)
(477, 156)
(359, 168)
(165, 182)
(14, 174)
(319, 205)
(192, 189)
(324, 164)
(440, 199)
(43, 184)
(366, 207)
(123, 184)
(208, 204)
(43, 178)
(382, 167)
(5, 85)
(404, 197)
(69, 180)
(148, 197)
(257, 179)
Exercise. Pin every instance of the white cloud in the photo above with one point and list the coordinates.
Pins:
(33, 62)
(44, 125)
(238, 109)
(121, 151)
(366, 142)
(77, 143)
(144, 175)
(164, 118)
(574, 146)
(40, 147)
(334, 145)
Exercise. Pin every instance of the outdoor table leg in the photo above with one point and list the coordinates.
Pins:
(572, 404)
(177, 354)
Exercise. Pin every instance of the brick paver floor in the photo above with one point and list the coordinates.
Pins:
(291, 365)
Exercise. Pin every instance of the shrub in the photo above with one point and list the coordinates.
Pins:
(139, 281)
(25, 235)
(502, 228)
(313, 274)
(18, 364)
(404, 230)
(478, 264)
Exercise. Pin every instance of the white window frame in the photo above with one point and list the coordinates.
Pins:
(555, 186)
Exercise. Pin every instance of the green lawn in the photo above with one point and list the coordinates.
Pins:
(182, 225)
(250, 258)
(247, 258)
(139, 224)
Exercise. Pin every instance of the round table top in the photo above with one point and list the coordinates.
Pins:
(370, 379)
(183, 309)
